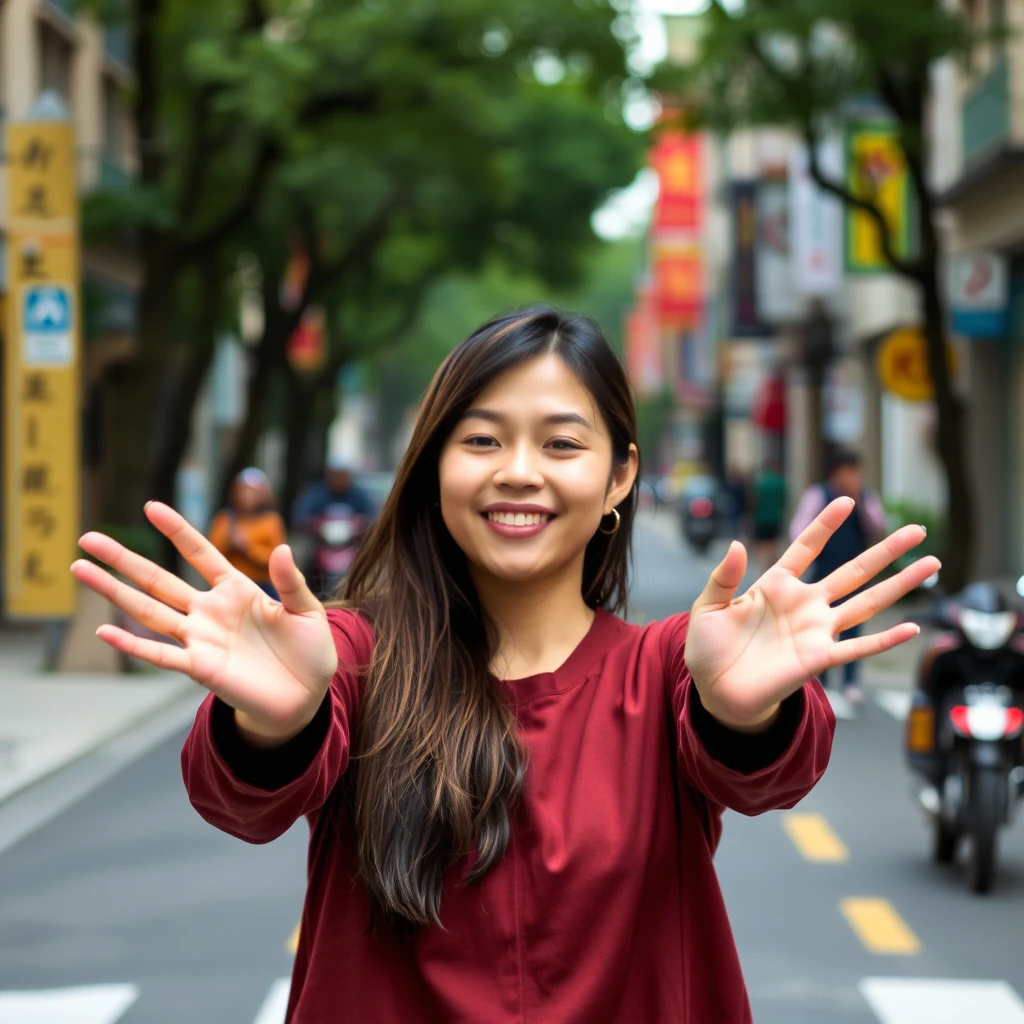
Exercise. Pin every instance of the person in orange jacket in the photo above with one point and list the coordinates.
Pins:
(249, 528)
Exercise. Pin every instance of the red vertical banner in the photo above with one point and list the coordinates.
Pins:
(677, 161)
(678, 282)
(644, 356)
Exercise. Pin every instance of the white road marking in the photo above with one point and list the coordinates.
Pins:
(840, 705)
(938, 1001)
(895, 702)
(276, 1004)
(89, 1004)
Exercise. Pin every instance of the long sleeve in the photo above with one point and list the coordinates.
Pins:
(255, 794)
(811, 503)
(747, 773)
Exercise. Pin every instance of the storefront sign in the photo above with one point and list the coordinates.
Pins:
(777, 301)
(876, 170)
(42, 322)
(979, 294)
(678, 282)
(903, 364)
(816, 223)
(745, 321)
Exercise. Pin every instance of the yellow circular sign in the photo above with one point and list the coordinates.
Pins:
(903, 364)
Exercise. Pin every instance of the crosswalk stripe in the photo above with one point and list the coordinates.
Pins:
(276, 1004)
(879, 927)
(814, 839)
(941, 1001)
(895, 702)
(86, 1004)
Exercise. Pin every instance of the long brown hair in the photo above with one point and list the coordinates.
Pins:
(438, 763)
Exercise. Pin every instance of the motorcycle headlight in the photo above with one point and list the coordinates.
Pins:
(987, 631)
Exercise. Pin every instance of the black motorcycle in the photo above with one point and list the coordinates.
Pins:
(966, 722)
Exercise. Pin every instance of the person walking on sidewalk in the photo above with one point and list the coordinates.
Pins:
(502, 828)
(249, 528)
(865, 526)
(769, 512)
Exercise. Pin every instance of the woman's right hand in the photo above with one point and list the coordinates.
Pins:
(272, 662)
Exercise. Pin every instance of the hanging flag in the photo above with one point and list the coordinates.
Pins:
(644, 358)
(678, 282)
(677, 160)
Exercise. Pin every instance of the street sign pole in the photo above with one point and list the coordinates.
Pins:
(42, 364)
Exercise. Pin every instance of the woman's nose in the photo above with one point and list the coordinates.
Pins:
(520, 468)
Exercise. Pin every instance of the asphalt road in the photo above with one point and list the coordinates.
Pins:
(126, 908)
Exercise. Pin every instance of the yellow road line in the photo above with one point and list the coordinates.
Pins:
(879, 927)
(292, 944)
(814, 838)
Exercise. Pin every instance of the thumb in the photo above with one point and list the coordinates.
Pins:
(725, 578)
(290, 583)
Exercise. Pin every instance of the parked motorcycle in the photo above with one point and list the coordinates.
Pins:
(966, 723)
(698, 506)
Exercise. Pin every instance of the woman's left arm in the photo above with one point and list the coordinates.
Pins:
(755, 728)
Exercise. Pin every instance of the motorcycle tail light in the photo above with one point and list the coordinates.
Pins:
(701, 508)
(921, 730)
(958, 716)
(1014, 721)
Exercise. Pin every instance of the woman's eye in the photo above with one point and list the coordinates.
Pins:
(481, 442)
(562, 445)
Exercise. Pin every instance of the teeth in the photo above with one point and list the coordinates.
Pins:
(518, 518)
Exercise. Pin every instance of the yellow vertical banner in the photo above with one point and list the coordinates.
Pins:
(876, 169)
(42, 324)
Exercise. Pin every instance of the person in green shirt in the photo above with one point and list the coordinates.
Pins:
(769, 511)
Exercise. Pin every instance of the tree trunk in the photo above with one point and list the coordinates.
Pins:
(956, 561)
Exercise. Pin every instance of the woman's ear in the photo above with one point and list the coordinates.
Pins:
(623, 477)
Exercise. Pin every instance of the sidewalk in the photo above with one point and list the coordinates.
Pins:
(48, 720)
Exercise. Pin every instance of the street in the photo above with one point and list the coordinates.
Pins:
(126, 907)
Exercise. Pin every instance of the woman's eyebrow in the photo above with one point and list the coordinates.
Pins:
(555, 418)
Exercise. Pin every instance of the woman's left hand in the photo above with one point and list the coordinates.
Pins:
(748, 654)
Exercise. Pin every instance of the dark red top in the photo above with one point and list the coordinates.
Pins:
(605, 907)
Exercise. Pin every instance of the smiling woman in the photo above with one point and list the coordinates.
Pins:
(502, 827)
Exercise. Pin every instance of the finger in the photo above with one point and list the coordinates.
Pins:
(882, 595)
(191, 544)
(865, 646)
(152, 613)
(163, 585)
(725, 579)
(166, 656)
(805, 549)
(290, 583)
(866, 566)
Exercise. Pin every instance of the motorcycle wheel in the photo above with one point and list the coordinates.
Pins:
(945, 840)
(986, 803)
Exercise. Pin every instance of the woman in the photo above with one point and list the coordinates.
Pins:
(248, 530)
(513, 794)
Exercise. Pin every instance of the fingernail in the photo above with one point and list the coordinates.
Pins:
(851, 501)
(917, 631)
(923, 527)
(148, 503)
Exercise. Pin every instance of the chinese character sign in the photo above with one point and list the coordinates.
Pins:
(41, 371)
(677, 160)
(876, 170)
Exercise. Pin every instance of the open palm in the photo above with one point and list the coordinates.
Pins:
(271, 661)
(748, 654)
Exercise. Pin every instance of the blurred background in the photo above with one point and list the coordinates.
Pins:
(237, 238)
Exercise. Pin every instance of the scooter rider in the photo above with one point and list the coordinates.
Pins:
(335, 488)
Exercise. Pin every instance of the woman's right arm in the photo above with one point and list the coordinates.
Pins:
(257, 793)
(281, 674)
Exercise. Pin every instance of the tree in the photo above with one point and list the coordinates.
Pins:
(231, 98)
(801, 66)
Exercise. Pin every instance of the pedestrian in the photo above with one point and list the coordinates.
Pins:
(866, 525)
(769, 512)
(249, 528)
(502, 828)
(737, 499)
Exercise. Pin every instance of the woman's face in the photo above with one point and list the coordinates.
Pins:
(526, 476)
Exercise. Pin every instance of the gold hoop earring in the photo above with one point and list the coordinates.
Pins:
(618, 523)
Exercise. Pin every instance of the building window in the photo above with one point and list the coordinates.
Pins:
(55, 56)
(113, 120)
